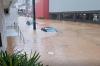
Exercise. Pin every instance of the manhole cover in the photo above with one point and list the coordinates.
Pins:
(48, 29)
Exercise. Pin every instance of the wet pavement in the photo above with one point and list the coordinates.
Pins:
(74, 43)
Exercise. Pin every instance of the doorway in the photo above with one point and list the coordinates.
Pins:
(0, 40)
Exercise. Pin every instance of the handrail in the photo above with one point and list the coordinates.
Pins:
(20, 34)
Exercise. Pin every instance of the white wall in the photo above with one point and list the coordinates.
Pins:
(12, 17)
(2, 27)
(1, 16)
(6, 20)
(73, 5)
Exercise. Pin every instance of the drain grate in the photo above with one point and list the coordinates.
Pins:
(49, 29)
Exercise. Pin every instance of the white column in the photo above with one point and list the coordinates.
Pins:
(2, 27)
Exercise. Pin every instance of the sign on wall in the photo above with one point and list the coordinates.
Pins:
(73, 5)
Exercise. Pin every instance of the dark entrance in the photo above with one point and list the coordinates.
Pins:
(0, 40)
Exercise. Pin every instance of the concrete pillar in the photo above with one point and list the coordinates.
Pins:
(84, 17)
(99, 17)
(95, 19)
(2, 27)
(59, 16)
(74, 17)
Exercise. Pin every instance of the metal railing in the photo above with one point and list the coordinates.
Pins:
(20, 34)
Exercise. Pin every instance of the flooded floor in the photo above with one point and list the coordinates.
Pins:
(74, 44)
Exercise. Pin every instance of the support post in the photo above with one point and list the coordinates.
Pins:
(74, 17)
(34, 15)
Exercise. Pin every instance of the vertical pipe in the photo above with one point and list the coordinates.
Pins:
(34, 15)
(27, 6)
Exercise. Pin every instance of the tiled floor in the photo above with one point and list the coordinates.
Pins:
(74, 44)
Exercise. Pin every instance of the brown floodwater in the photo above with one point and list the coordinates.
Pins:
(74, 43)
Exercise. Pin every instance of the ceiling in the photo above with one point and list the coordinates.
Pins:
(7, 3)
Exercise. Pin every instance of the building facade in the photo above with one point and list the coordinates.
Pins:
(81, 10)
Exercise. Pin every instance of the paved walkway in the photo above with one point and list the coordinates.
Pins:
(75, 44)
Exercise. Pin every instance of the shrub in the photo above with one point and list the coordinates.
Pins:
(19, 59)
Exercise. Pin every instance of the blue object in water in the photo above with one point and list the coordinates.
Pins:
(49, 29)
(28, 23)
